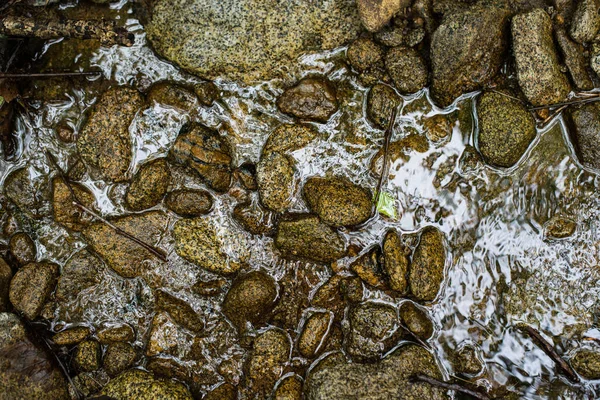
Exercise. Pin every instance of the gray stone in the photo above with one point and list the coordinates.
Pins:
(31, 286)
(585, 22)
(373, 330)
(407, 69)
(585, 133)
(428, 263)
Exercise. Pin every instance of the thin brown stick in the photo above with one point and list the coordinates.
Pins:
(553, 115)
(589, 99)
(48, 74)
(76, 202)
(386, 145)
(547, 348)
(448, 386)
(506, 95)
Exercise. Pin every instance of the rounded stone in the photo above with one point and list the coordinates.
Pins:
(87, 356)
(313, 335)
(31, 286)
(416, 320)
(407, 69)
(250, 299)
(22, 248)
(276, 180)
(71, 336)
(119, 356)
(364, 54)
(189, 202)
(428, 264)
(381, 101)
(149, 185)
(312, 99)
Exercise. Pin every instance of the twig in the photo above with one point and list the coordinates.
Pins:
(448, 386)
(553, 115)
(48, 74)
(547, 348)
(506, 95)
(76, 202)
(386, 144)
(590, 98)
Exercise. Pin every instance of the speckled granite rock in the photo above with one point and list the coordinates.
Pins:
(142, 385)
(31, 286)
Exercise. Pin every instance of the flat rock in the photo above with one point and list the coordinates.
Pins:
(31, 286)
(312, 98)
(287, 138)
(79, 273)
(428, 263)
(149, 185)
(585, 134)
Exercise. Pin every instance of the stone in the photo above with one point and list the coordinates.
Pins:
(246, 176)
(142, 385)
(79, 273)
(207, 93)
(312, 98)
(584, 124)
(338, 201)
(31, 286)
(573, 56)
(173, 95)
(305, 236)
(373, 330)
(375, 14)
(314, 334)
(386, 379)
(276, 180)
(22, 248)
(290, 388)
(88, 383)
(71, 336)
(251, 298)
(210, 288)
(116, 333)
(203, 150)
(87, 356)
(381, 100)
(399, 150)
(104, 143)
(295, 288)
(149, 185)
(416, 320)
(123, 255)
(119, 357)
(165, 336)
(585, 22)
(364, 54)
(407, 69)
(179, 310)
(395, 262)
(506, 129)
(5, 278)
(586, 362)
(369, 268)
(428, 264)
(26, 192)
(288, 138)
(438, 128)
(538, 71)
(248, 40)
(466, 361)
(255, 219)
(67, 213)
(559, 227)
(226, 391)
(189, 202)
(467, 50)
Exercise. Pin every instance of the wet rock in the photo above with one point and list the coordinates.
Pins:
(149, 185)
(165, 337)
(467, 51)
(276, 180)
(506, 129)
(104, 143)
(123, 255)
(585, 22)
(373, 330)
(31, 286)
(142, 385)
(206, 38)
(117, 333)
(250, 299)
(119, 357)
(246, 175)
(312, 98)
(173, 95)
(225, 391)
(189, 202)
(87, 356)
(574, 59)
(438, 128)
(203, 150)
(375, 14)
(26, 192)
(416, 320)
(369, 269)
(22, 248)
(585, 134)
(290, 388)
(209, 288)
(207, 93)
(88, 383)
(399, 150)
(538, 71)
(71, 336)
(67, 213)
(26, 371)
(288, 138)
(381, 100)
(330, 296)
(400, 35)
(407, 69)
(295, 286)
(465, 361)
(255, 219)
(179, 310)
(560, 227)
(5, 278)
(364, 54)
(387, 379)
(586, 362)
(304, 236)
(198, 241)
(313, 335)
(79, 273)
(338, 201)
(427, 268)
(395, 262)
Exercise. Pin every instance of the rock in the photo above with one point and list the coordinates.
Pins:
(538, 71)
(65, 212)
(116, 333)
(375, 14)
(585, 22)
(250, 299)
(173, 95)
(31, 286)
(369, 269)
(428, 263)
(207, 93)
(208, 39)
(246, 176)
(416, 320)
(119, 357)
(165, 336)
(584, 123)
(364, 54)
(295, 288)
(5, 278)
(290, 388)
(314, 334)
(213, 287)
(373, 330)
(304, 236)
(506, 129)
(559, 227)
(123, 255)
(225, 391)
(79, 273)
(401, 35)
(338, 201)
(203, 150)
(255, 219)
(198, 241)
(104, 143)
(276, 180)
(407, 69)
(574, 59)
(387, 379)
(142, 385)
(26, 192)
(312, 98)
(87, 356)
(22, 248)
(189, 202)
(180, 311)
(149, 185)
(288, 138)
(438, 128)
(395, 262)
(465, 361)
(71, 336)
(586, 362)
(466, 51)
(88, 383)
(330, 296)
(381, 100)
(26, 371)
(399, 150)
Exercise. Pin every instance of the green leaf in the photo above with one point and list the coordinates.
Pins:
(1, 101)
(386, 205)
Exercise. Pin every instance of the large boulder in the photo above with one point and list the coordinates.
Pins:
(249, 39)
(585, 134)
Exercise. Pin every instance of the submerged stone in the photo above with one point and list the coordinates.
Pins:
(381, 101)
(395, 262)
(416, 320)
(585, 133)
(250, 299)
(189, 202)
(314, 334)
(428, 263)
(142, 385)
(373, 330)
(67, 213)
(287, 138)
(149, 185)
(79, 273)
(586, 363)
(312, 98)
(276, 180)
(5, 278)
(22, 248)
